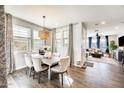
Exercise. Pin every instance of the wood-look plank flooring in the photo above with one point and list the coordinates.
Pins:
(100, 76)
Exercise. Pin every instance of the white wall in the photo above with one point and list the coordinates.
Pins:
(19, 59)
(77, 43)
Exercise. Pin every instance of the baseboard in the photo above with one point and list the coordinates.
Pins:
(77, 65)
(21, 67)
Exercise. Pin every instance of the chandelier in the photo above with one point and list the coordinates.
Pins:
(97, 29)
(44, 34)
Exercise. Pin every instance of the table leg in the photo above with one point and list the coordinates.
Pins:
(49, 73)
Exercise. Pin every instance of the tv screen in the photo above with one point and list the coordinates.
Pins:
(121, 41)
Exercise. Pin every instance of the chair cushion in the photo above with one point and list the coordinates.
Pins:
(43, 68)
(56, 69)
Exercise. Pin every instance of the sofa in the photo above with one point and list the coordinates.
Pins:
(97, 53)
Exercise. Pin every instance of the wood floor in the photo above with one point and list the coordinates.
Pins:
(101, 75)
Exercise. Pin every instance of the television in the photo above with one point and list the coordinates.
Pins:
(121, 41)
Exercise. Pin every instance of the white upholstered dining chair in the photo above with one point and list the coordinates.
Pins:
(29, 63)
(62, 67)
(38, 68)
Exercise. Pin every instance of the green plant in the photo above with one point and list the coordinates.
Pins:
(113, 46)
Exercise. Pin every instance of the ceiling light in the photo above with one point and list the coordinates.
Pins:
(44, 34)
(103, 22)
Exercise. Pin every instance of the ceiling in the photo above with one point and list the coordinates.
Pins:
(59, 15)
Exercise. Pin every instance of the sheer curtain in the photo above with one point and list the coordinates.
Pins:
(107, 44)
(9, 44)
(53, 40)
(71, 48)
(90, 42)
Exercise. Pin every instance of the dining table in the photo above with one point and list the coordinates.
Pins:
(48, 61)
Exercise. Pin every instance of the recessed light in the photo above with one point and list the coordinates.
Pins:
(103, 22)
(116, 27)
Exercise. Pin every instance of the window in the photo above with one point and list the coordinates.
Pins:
(94, 42)
(62, 41)
(37, 43)
(20, 44)
(59, 39)
(66, 38)
(103, 45)
(21, 37)
(20, 31)
(87, 43)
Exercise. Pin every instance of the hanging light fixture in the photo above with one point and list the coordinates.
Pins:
(97, 29)
(44, 34)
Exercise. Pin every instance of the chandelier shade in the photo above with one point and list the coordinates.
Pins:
(44, 35)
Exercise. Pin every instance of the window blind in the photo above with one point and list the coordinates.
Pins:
(21, 31)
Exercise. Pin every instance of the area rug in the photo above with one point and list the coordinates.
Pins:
(88, 64)
(103, 60)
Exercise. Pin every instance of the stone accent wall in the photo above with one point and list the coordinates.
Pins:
(3, 80)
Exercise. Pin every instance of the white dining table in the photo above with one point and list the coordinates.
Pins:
(48, 61)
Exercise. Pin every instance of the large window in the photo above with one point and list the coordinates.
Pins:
(94, 42)
(103, 45)
(62, 41)
(65, 38)
(21, 44)
(37, 43)
(59, 39)
(22, 38)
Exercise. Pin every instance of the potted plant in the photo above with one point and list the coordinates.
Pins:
(113, 46)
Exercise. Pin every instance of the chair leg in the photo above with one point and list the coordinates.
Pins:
(39, 77)
(62, 79)
(68, 79)
(26, 70)
(29, 72)
(34, 75)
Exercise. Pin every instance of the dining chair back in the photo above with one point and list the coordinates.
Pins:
(28, 60)
(29, 63)
(64, 64)
(38, 68)
(36, 63)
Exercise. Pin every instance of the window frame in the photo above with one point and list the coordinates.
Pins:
(23, 38)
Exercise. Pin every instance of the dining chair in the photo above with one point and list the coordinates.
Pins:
(29, 63)
(38, 68)
(62, 67)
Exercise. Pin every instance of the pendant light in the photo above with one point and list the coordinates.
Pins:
(44, 34)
